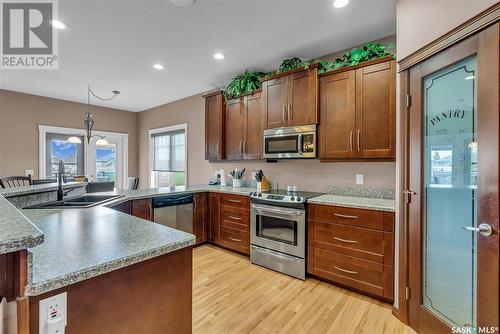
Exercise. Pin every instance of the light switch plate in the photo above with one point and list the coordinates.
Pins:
(57, 305)
(359, 178)
(29, 172)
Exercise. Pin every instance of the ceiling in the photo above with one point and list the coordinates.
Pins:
(113, 45)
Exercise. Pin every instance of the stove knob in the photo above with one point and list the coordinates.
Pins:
(254, 194)
(299, 199)
(259, 194)
(292, 198)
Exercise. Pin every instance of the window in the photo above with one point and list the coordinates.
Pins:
(441, 164)
(105, 163)
(58, 148)
(168, 150)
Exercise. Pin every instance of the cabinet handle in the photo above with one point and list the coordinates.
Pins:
(345, 216)
(345, 270)
(234, 239)
(359, 140)
(283, 114)
(194, 204)
(244, 146)
(240, 147)
(350, 141)
(218, 150)
(346, 241)
(234, 200)
(235, 218)
(288, 112)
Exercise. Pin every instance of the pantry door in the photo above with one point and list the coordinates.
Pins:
(453, 195)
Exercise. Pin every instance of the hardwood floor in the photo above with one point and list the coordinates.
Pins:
(231, 295)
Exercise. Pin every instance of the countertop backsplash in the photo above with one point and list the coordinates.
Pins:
(362, 191)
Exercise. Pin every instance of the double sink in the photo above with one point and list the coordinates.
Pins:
(80, 202)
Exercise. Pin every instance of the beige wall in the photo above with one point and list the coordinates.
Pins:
(308, 175)
(419, 22)
(20, 115)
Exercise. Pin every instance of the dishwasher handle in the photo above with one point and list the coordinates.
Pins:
(161, 202)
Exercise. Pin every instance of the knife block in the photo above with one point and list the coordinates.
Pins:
(264, 184)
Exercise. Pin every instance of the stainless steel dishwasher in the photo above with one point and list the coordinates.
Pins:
(174, 211)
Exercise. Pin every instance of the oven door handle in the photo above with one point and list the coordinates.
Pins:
(300, 144)
(262, 209)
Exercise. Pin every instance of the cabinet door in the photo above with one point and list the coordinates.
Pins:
(274, 101)
(338, 116)
(376, 110)
(213, 208)
(199, 227)
(214, 127)
(124, 207)
(142, 208)
(252, 144)
(234, 129)
(302, 98)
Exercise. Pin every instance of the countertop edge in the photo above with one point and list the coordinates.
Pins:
(35, 289)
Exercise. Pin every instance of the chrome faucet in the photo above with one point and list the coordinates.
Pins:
(60, 173)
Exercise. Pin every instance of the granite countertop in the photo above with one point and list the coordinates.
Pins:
(379, 204)
(83, 243)
(39, 188)
(16, 231)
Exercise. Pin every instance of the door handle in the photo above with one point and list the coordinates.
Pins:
(234, 239)
(350, 141)
(359, 140)
(346, 241)
(484, 229)
(345, 216)
(345, 270)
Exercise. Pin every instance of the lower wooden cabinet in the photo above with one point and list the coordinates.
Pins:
(213, 215)
(353, 248)
(234, 223)
(124, 207)
(142, 208)
(200, 229)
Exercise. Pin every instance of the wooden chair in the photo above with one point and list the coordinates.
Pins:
(132, 183)
(15, 181)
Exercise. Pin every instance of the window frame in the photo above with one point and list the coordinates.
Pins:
(48, 153)
(172, 128)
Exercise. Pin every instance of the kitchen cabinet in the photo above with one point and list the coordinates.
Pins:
(142, 208)
(358, 112)
(353, 248)
(200, 228)
(213, 215)
(291, 98)
(234, 223)
(243, 121)
(214, 126)
(124, 207)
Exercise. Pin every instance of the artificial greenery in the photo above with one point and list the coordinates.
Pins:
(355, 56)
(291, 64)
(242, 84)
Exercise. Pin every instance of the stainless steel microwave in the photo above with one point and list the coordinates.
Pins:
(297, 142)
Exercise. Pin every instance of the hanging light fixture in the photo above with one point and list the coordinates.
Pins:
(88, 121)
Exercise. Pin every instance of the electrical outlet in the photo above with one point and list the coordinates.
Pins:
(52, 317)
(359, 179)
(29, 172)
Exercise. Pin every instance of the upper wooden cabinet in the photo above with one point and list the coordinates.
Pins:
(243, 120)
(358, 112)
(214, 126)
(291, 98)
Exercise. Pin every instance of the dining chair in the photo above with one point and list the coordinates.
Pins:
(15, 181)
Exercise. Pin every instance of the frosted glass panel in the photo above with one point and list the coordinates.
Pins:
(450, 176)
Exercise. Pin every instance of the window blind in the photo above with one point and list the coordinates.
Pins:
(169, 149)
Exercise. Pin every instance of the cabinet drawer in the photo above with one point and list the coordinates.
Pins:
(349, 216)
(236, 201)
(354, 241)
(235, 218)
(235, 239)
(349, 271)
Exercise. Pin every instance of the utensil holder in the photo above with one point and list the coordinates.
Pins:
(264, 184)
(236, 183)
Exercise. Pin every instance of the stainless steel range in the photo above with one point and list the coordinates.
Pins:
(278, 231)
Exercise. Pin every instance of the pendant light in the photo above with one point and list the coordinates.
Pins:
(88, 121)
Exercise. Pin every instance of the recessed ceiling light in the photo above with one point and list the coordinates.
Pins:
(58, 24)
(340, 3)
(219, 56)
(159, 66)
